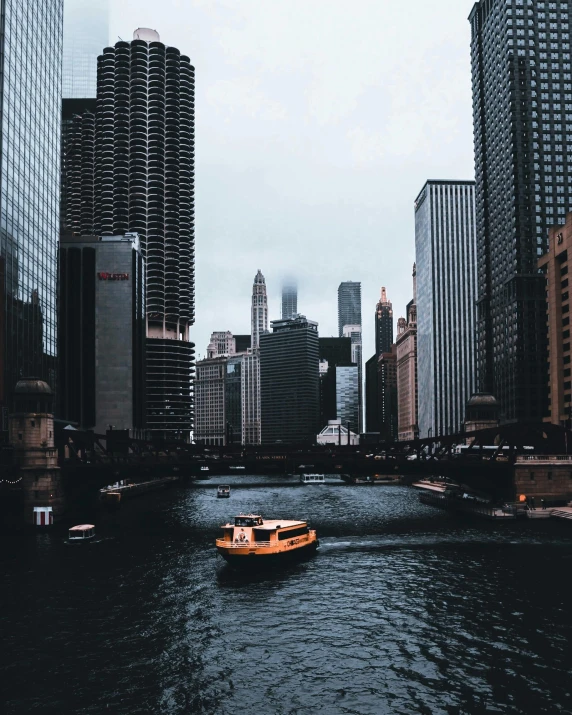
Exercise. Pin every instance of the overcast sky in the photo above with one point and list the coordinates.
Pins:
(317, 124)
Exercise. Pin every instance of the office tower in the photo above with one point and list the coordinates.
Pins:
(289, 300)
(289, 364)
(130, 168)
(349, 305)
(406, 347)
(30, 106)
(242, 343)
(446, 289)
(522, 107)
(347, 396)
(210, 419)
(259, 315)
(86, 33)
(251, 363)
(355, 334)
(387, 387)
(555, 265)
(221, 343)
(372, 423)
(101, 333)
(233, 399)
(383, 325)
(333, 353)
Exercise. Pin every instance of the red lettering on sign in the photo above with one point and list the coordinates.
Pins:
(113, 276)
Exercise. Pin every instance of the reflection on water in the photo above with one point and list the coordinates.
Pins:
(403, 610)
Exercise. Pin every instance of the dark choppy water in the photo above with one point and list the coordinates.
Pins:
(404, 610)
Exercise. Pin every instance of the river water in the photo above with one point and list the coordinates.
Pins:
(404, 609)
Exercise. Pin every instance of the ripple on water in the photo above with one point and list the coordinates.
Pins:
(403, 610)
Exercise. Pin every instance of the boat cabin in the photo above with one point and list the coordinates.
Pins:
(81, 532)
(251, 529)
(312, 479)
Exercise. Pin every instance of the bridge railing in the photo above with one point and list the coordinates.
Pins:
(544, 458)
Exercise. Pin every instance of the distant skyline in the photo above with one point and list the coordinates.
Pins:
(316, 123)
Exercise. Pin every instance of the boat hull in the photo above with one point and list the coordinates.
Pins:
(261, 560)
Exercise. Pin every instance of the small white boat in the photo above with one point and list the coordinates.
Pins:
(223, 491)
(81, 532)
(204, 469)
(312, 479)
(239, 467)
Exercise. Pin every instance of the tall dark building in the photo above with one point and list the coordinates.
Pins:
(349, 305)
(522, 105)
(372, 423)
(30, 98)
(387, 390)
(102, 333)
(289, 393)
(383, 325)
(334, 353)
(130, 168)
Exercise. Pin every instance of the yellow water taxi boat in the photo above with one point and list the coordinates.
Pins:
(252, 540)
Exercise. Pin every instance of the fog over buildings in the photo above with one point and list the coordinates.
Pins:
(315, 127)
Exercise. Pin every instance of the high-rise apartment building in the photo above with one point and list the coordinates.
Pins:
(349, 305)
(555, 265)
(406, 348)
(130, 168)
(289, 365)
(522, 107)
(86, 33)
(30, 110)
(383, 325)
(289, 300)
(445, 248)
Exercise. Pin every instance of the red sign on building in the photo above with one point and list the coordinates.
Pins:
(113, 276)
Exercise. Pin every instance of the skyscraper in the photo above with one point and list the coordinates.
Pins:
(86, 33)
(406, 347)
(333, 352)
(445, 248)
(355, 334)
(30, 107)
(289, 365)
(259, 315)
(349, 305)
(251, 419)
(522, 109)
(347, 396)
(130, 168)
(383, 325)
(289, 300)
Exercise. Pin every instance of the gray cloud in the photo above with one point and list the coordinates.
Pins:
(317, 123)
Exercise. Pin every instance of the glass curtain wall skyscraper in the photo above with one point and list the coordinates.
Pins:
(289, 300)
(445, 248)
(86, 33)
(349, 305)
(522, 111)
(30, 109)
(130, 168)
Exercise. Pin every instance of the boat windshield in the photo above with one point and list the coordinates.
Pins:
(248, 521)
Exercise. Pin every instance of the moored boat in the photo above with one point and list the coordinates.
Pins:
(312, 479)
(254, 541)
(223, 491)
